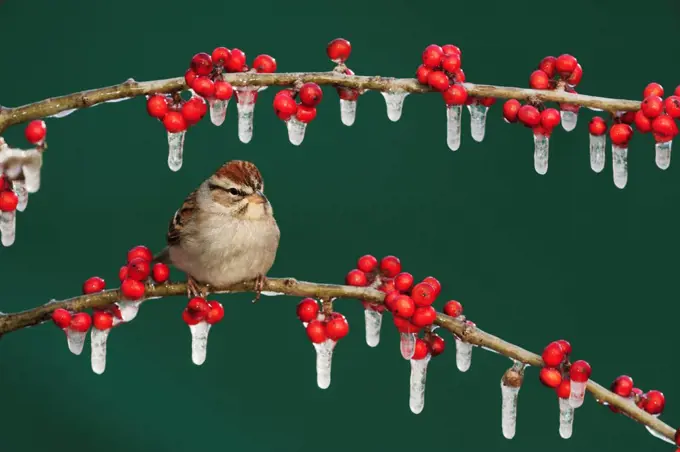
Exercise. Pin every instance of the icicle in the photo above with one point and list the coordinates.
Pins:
(658, 435)
(348, 111)
(63, 114)
(245, 105)
(218, 110)
(175, 149)
(324, 359)
(620, 165)
(75, 340)
(477, 121)
(541, 150)
(407, 345)
(296, 130)
(568, 120)
(98, 346)
(416, 399)
(663, 154)
(395, 104)
(8, 225)
(128, 309)
(463, 355)
(566, 418)
(199, 341)
(597, 157)
(373, 320)
(19, 188)
(511, 383)
(453, 126)
(31, 169)
(578, 393)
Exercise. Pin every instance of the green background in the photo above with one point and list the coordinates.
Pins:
(533, 258)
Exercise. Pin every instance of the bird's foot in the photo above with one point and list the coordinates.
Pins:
(259, 285)
(196, 289)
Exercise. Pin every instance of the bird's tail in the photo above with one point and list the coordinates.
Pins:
(162, 257)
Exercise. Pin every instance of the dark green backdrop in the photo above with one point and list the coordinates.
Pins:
(533, 258)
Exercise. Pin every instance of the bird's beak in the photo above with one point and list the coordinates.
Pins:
(257, 198)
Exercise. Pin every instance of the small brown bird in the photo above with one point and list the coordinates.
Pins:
(225, 231)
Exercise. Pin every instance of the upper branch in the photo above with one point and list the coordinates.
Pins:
(290, 286)
(131, 88)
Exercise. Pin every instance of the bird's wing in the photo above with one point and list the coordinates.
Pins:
(181, 218)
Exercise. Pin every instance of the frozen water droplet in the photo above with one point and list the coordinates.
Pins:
(245, 105)
(658, 435)
(324, 359)
(541, 150)
(597, 157)
(8, 225)
(578, 393)
(296, 130)
(31, 169)
(416, 399)
(218, 111)
(463, 355)
(199, 341)
(395, 104)
(568, 120)
(477, 121)
(75, 340)
(373, 320)
(98, 346)
(620, 165)
(175, 150)
(663, 154)
(19, 188)
(62, 114)
(128, 309)
(595, 109)
(113, 101)
(566, 418)
(348, 111)
(509, 396)
(407, 345)
(453, 126)
(271, 294)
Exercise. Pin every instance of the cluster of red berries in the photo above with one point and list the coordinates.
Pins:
(198, 310)
(79, 322)
(652, 401)
(338, 50)
(534, 116)
(176, 114)
(138, 270)
(559, 372)
(285, 105)
(658, 115)
(321, 327)
(563, 71)
(442, 71)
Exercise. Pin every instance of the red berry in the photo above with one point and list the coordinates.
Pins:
(307, 310)
(284, 106)
(553, 355)
(348, 94)
(220, 56)
(623, 386)
(451, 63)
(434, 282)
(387, 286)
(338, 50)
(264, 64)
(450, 49)
(677, 438)
(564, 389)
(637, 392)
(511, 109)
(460, 76)
(665, 125)
(437, 345)
(61, 318)
(422, 73)
(193, 110)
(8, 201)
(403, 281)
(628, 117)
(550, 118)
(421, 350)
(372, 306)
(423, 294)
(672, 106)
(390, 298)
(539, 80)
(305, 114)
(404, 306)
(157, 106)
(424, 316)
(122, 273)
(204, 86)
(550, 377)
(160, 272)
(367, 263)
(652, 106)
(102, 320)
(199, 307)
(453, 308)
(455, 95)
(653, 89)
(404, 326)
(547, 65)
(174, 122)
(529, 115)
(655, 402)
(565, 65)
(438, 80)
(620, 134)
(566, 346)
(487, 101)
(580, 371)
(432, 56)
(216, 312)
(337, 327)
(201, 64)
(356, 278)
(236, 61)
(189, 318)
(93, 285)
(132, 289)
(576, 76)
(642, 122)
(390, 266)
(310, 94)
(316, 331)
(35, 131)
(189, 77)
(597, 126)
(81, 322)
(138, 269)
(223, 90)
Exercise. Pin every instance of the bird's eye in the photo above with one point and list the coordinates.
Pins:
(234, 191)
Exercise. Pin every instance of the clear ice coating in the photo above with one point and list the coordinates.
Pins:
(568, 120)
(128, 309)
(407, 345)
(395, 104)
(324, 359)
(509, 395)
(8, 226)
(477, 121)
(620, 165)
(416, 400)
(578, 393)
(75, 340)
(218, 111)
(453, 126)
(296, 130)
(175, 149)
(14, 162)
(98, 346)
(63, 114)
(663, 154)
(373, 320)
(463, 355)
(199, 341)
(348, 111)
(566, 418)
(19, 188)
(245, 105)
(541, 150)
(658, 435)
(597, 157)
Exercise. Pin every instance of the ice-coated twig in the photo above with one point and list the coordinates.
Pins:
(199, 341)
(597, 150)
(19, 188)
(98, 346)
(348, 111)
(658, 435)
(478, 121)
(395, 103)
(75, 340)
(566, 418)
(218, 110)
(128, 309)
(175, 150)
(407, 344)
(373, 320)
(454, 114)
(511, 383)
(463, 355)
(245, 105)
(296, 130)
(577, 394)
(324, 359)
(541, 151)
(568, 120)
(417, 381)
(663, 154)
(620, 165)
